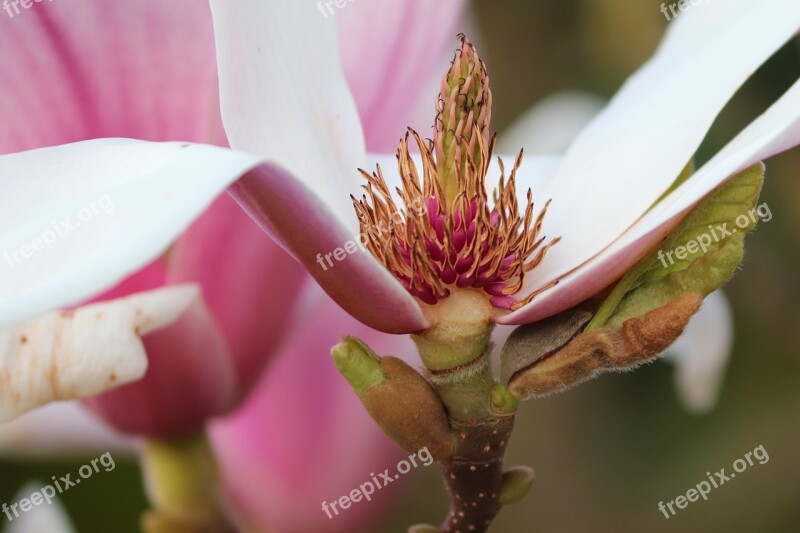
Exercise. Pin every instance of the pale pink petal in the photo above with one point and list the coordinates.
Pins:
(701, 354)
(76, 354)
(331, 254)
(389, 52)
(248, 282)
(778, 129)
(62, 429)
(190, 378)
(628, 157)
(85, 69)
(284, 96)
(303, 436)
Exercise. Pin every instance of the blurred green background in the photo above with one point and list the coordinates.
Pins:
(607, 452)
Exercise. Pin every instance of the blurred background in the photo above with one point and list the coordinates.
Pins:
(607, 452)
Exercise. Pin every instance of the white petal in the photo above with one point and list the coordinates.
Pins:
(284, 96)
(550, 126)
(701, 354)
(61, 429)
(78, 218)
(625, 160)
(776, 130)
(42, 518)
(67, 355)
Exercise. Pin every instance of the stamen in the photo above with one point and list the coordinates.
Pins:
(449, 235)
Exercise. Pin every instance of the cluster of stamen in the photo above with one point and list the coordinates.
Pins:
(448, 235)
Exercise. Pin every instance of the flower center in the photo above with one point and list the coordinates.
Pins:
(450, 236)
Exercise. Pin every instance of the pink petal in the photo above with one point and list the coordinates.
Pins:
(390, 50)
(148, 278)
(303, 436)
(82, 70)
(190, 378)
(248, 282)
(297, 218)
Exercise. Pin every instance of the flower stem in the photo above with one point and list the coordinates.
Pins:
(474, 476)
(481, 417)
(181, 481)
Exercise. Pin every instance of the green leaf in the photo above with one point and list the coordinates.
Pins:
(700, 255)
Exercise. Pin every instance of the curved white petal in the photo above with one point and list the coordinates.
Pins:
(61, 429)
(284, 96)
(701, 354)
(42, 518)
(550, 126)
(630, 154)
(776, 130)
(78, 218)
(68, 355)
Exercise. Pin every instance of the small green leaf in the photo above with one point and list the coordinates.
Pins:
(700, 255)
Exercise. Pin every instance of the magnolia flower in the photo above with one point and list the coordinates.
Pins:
(116, 204)
(233, 328)
(606, 191)
(257, 281)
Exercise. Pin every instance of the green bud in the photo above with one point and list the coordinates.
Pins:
(358, 364)
(503, 402)
(398, 398)
(517, 482)
(409, 411)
